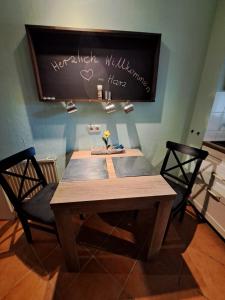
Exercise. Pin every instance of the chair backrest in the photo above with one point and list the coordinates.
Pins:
(183, 176)
(8, 171)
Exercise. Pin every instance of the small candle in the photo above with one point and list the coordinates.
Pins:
(109, 95)
(99, 91)
(106, 95)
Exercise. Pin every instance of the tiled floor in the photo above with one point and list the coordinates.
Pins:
(191, 264)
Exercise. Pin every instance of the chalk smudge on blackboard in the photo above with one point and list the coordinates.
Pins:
(124, 64)
(74, 59)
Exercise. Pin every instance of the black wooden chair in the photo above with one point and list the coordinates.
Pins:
(30, 195)
(181, 175)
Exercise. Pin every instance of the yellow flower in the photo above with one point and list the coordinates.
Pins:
(106, 134)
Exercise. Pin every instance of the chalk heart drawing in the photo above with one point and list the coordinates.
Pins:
(87, 74)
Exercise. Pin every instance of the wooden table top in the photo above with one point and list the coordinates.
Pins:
(108, 157)
(87, 154)
(112, 189)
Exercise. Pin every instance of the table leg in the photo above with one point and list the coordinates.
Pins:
(161, 220)
(152, 226)
(68, 228)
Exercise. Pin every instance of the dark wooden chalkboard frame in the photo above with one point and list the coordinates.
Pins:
(136, 36)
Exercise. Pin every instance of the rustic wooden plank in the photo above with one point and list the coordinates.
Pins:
(81, 192)
(87, 154)
(161, 220)
(68, 228)
(110, 167)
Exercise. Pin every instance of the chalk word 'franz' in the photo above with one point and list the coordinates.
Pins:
(74, 59)
(124, 64)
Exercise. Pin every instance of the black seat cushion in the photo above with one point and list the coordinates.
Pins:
(180, 190)
(38, 208)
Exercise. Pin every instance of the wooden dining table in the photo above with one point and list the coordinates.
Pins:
(109, 183)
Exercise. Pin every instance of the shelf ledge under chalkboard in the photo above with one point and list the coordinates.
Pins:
(88, 100)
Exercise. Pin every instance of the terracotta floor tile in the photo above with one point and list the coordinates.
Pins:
(172, 235)
(14, 267)
(51, 292)
(59, 282)
(14, 237)
(158, 279)
(189, 266)
(93, 283)
(55, 260)
(59, 277)
(11, 233)
(43, 243)
(187, 228)
(32, 286)
(94, 232)
(118, 266)
(143, 285)
(165, 263)
(167, 296)
(205, 239)
(208, 273)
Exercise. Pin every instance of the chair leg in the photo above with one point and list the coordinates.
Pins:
(182, 212)
(57, 236)
(26, 229)
(167, 228)
(82, 217)
(199, 216)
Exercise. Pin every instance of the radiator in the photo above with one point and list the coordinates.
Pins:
(48, 167)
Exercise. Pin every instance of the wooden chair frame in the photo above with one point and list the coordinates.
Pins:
(198, 155)
(16, 200)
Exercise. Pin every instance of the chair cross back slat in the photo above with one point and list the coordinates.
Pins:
(179, 165)
(19, 175)
(22, 180)
(182, 163)
(197, 155)
(14, 159)
(8, 163)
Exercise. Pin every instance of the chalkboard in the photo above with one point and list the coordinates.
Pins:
(69, 64)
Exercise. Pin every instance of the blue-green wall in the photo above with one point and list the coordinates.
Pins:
(185, 27)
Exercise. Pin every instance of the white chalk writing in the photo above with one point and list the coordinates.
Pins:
(74, 59)
(87, 74)
(117, 82)
(120, 63)
(124, 64)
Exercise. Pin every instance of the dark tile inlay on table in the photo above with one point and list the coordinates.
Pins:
(132, 166)
(86, 169)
